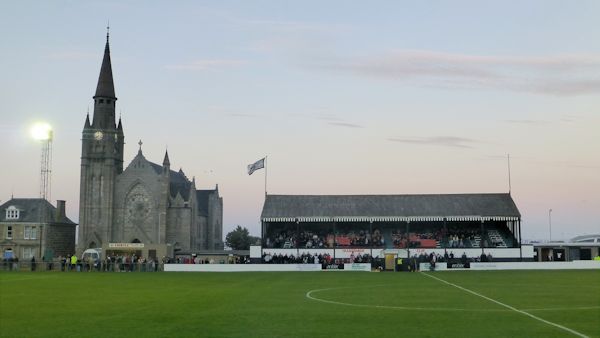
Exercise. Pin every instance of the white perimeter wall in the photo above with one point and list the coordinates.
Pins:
(259, 267)
(536, 265)
(241, 267)
(367, 267)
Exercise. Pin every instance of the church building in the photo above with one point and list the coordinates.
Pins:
(146, 207)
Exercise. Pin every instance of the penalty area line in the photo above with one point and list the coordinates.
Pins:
(508, 306)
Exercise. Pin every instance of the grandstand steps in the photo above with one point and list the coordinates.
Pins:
(476, 242)
(387, 237)
(496, 238)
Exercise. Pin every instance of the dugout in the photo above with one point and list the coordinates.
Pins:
(347, 226)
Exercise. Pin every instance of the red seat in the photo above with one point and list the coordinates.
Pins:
(342, 240)
(428, 243)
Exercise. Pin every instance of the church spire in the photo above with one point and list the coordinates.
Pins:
(106, 87)
(87, 121)
(166, 162)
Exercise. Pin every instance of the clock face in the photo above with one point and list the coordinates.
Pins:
(98, 135)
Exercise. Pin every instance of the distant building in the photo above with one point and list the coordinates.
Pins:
(146, 207)
(34, 227)
(586, 239)
(584, 247)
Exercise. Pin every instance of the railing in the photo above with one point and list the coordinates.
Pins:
(80, 266)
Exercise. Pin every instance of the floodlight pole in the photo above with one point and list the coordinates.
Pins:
(46, 167)
(45, 182)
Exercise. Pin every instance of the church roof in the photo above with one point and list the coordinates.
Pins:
(202, 197)
(106, 87)
(29, 211)
(392, 207)
(178, 183)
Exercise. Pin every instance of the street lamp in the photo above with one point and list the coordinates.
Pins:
(550, 222)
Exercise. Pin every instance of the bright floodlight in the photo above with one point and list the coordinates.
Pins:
(41, 131)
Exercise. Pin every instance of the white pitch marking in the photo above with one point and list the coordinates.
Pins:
(564, 308)
(509, 307)
(22, 279)
(309, 296)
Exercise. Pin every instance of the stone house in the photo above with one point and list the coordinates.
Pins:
(34, 227)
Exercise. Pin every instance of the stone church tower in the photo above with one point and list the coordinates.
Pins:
(101, 161)
(146, 203)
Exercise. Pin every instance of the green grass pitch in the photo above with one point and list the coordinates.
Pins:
(300, 304)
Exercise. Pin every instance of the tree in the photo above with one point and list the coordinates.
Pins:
(240, 239)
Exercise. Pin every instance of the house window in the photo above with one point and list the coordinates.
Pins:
(30, 232)
(9, 231)
(12, 212)
(28, 252)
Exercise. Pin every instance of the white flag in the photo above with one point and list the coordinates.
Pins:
(255, 166)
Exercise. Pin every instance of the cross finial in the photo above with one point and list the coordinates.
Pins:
(107, 30)
(140, 143)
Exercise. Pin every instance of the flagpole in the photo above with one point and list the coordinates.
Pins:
(509, 186)
(265, 176)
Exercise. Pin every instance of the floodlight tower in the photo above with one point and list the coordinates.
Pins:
(43, 133)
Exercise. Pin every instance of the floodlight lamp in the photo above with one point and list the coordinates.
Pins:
(41, 132)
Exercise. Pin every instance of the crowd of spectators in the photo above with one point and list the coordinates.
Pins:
(308, 258)
(72, 263)
(447, 257)
(289, 239)
(455, 236)
(426, 239)
(360, 238)
(461, 237)
(304, 258)
(308, 239)
(125, 263)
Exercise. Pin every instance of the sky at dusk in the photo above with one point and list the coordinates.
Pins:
(382, 97)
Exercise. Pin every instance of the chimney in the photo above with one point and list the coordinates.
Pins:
(60, 210)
